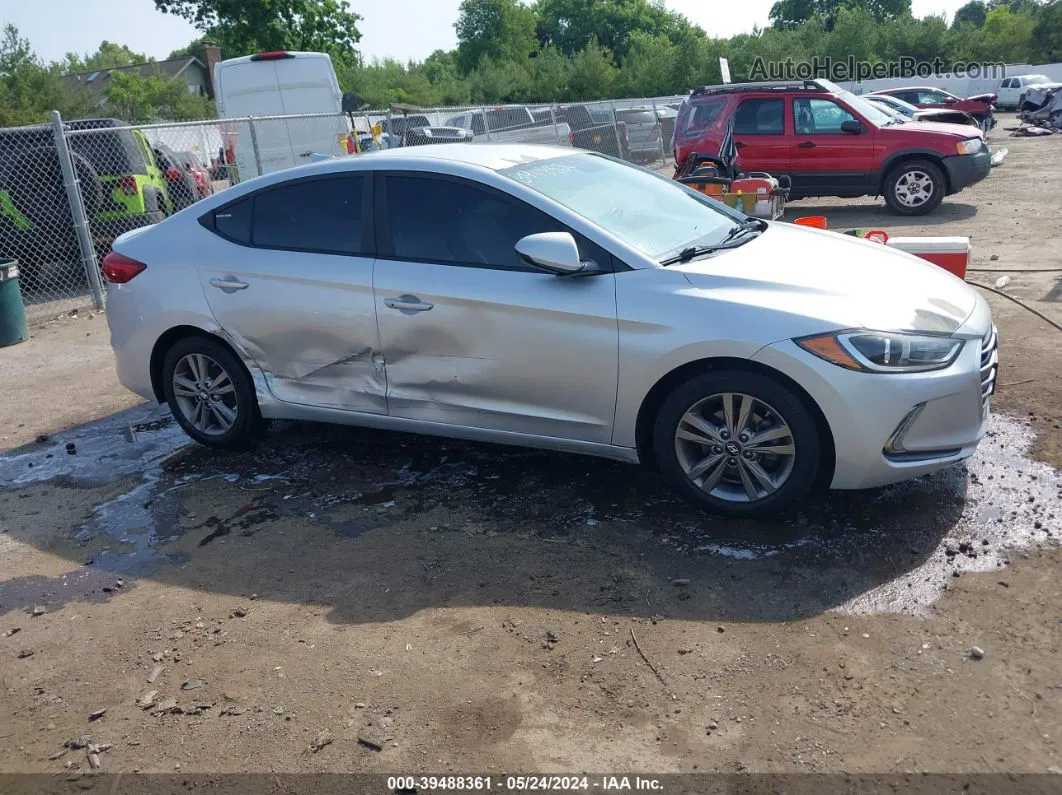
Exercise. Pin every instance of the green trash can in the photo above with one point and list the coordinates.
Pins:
(13, 328)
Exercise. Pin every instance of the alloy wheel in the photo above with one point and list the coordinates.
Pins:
(914, 188)
(735, 447)
(205, 394)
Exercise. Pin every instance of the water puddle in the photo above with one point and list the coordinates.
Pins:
(887, 550)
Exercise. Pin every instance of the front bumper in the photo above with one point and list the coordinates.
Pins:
(888, 428)
(966, 170)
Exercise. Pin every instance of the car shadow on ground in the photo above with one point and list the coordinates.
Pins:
(376, 526)
(877, 216)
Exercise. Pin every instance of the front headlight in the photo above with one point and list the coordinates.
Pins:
(969, 147)
(883, 351)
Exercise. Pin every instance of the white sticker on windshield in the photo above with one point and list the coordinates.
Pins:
(552, 169)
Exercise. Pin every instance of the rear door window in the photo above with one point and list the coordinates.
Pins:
(319, 215)
(760, 117)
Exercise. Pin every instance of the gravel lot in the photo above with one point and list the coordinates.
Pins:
(483, 609)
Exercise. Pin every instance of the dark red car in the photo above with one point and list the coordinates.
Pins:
(832, 143)
(199, 172)
(980, 106)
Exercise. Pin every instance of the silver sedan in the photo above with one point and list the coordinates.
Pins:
(559, 299)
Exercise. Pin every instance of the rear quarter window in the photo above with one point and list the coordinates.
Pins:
(234, 221)
(702, 115)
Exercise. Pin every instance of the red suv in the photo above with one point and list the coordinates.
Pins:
(832, 143)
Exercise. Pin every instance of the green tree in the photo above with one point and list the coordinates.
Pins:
(791, 13)
(1047, 35)
(593, 74)
(973, 13)
(138, 98)
(30, 90)
(570, 25)
(1007, 35)
(502, 30)
(500, 81)
(108, 56)
(243, 27)
(551, 73)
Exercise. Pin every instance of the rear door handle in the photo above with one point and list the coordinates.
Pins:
(229, 284)
(408, 304)
(806, 145)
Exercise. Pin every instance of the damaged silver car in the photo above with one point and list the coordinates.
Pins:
(559, 299)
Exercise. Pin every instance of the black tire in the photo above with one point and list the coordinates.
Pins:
(248, 418)
(908, 170)
(785, 409)
(39, 192)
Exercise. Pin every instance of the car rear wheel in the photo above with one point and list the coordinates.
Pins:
(209, 393)
(914, 188)
(737, 443)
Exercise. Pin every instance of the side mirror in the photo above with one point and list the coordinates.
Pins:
(555, 252)
(851, 126)
(950, 100)
(351, 102)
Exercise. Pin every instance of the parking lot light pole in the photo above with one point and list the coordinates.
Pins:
(77, 212)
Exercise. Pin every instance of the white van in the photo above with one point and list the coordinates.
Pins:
(281, 84)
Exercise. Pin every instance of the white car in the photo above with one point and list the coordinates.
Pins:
(1011, 88)
(552, 298)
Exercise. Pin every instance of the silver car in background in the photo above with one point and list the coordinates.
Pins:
(558, 299)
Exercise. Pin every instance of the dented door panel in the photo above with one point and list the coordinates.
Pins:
(309, 322)
(500, 349)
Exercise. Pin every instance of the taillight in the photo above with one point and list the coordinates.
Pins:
(173, 174)
(127, 184)
(118, 269)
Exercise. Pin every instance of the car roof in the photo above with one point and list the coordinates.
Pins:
(813, 86)
(484, 155)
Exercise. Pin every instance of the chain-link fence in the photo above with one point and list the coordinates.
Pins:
(68, 189)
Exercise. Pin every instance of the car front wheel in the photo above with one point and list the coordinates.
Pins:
(737, 443)
(209, 393)
(914, 188)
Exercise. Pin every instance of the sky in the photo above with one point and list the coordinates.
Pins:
(402, 29)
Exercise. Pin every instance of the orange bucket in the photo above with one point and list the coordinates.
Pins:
(814, 221)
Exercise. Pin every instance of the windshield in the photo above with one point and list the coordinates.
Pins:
(868, 110)
(652, 213)
(896, 102)
(895, 113)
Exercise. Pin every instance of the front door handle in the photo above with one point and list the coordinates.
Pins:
(739, 144)
(806, 145)
(229, 284)
(408, 304)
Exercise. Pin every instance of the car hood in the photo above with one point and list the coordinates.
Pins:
(957, 131)
(827, 278)
(988, 99)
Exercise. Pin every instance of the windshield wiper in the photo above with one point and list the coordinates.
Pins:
(730, 240)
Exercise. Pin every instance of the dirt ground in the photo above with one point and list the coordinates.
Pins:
(471, 608)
